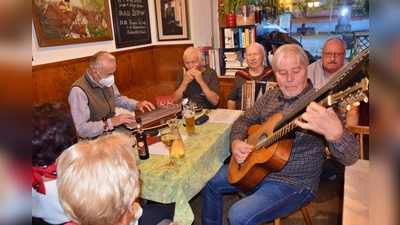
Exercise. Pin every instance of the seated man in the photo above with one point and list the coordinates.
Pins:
(296, 184)
(255, 57)
(332, 59)
(200, 82)
(98, 183)
(94, 96)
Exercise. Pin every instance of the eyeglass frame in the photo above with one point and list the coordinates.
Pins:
(335, 54)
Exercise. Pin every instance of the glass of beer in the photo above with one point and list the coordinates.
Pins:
(189, 113)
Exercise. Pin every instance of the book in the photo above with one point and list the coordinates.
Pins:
(217, 62)
(233, 55)
(204, 51)
(221, 61)
(228, 38)
(230, 72)
(240, 35)
(247, 37)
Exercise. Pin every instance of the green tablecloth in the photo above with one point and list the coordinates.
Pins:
(204, 155)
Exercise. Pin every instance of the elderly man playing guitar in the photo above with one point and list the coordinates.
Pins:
(277, 156)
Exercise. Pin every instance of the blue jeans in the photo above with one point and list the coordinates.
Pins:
(266, 202)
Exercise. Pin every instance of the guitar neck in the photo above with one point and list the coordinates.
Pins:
(351, 94)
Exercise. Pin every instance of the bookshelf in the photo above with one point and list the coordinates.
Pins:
(234, 41)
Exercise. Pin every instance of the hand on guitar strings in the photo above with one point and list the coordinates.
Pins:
(322, 121)
(240, 150)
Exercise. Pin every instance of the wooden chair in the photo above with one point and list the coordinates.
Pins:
(303, 210)
(277, 221)
(359, 131)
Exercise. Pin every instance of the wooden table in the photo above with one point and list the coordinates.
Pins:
(356, 194)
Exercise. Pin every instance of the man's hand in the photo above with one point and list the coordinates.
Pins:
(322, 121)
(145, 104)
(196, 74)
(240, 150)
(187, 76)
(122, 118)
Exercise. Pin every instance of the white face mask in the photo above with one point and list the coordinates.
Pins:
(107, 81)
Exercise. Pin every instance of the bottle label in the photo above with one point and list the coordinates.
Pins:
(141, 148)
(139, 127)
(185, 101)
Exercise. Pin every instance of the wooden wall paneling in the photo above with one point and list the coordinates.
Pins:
(225, 86)
(141, 73)
(53, 84)
(135, 71)
(168, 61)
(166, 88)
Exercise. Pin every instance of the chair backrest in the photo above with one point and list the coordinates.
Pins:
(359, 131)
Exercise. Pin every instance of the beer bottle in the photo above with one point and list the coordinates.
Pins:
(354, 50)
(185, 100)
(141, 139)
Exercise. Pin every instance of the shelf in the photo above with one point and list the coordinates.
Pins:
(244, 26)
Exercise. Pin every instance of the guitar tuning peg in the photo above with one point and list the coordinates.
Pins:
(366, 99)
(348, 107)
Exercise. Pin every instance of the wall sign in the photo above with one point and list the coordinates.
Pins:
(131, 22)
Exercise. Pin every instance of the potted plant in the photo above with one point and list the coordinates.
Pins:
(227, 10)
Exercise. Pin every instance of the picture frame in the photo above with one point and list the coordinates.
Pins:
(172, 21)
(131, 23)
(69, 22)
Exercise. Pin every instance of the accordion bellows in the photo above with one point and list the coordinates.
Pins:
(252, 90)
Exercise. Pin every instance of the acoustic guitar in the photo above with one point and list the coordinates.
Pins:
(271, 139)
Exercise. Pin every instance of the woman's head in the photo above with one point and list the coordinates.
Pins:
(53, 131)
(98, 180)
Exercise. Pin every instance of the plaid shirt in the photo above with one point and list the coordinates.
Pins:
(304, 166)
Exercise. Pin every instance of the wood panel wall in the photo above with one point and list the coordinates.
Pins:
(141, 74)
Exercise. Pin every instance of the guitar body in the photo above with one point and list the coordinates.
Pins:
(261, 161)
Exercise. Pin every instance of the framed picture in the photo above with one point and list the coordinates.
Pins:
(66, 22)
(171, 20)
(131, 23)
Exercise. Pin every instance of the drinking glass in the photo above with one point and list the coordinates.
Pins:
(167, 139)
(189, 115)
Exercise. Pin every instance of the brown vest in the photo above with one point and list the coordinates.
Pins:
(101, 101)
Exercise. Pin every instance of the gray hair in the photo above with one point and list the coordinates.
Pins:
(287, 50)
(193, 50)
(98, 177)
(335, 39)
(95, 61)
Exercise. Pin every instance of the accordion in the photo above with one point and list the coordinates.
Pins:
(252, 90)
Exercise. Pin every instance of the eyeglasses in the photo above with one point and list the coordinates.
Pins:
(329, 54)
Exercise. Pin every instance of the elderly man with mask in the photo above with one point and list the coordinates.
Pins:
(94, 96)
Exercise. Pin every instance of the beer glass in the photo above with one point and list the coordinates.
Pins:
(189, 113)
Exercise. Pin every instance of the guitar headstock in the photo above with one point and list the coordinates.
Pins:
(354, 94)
